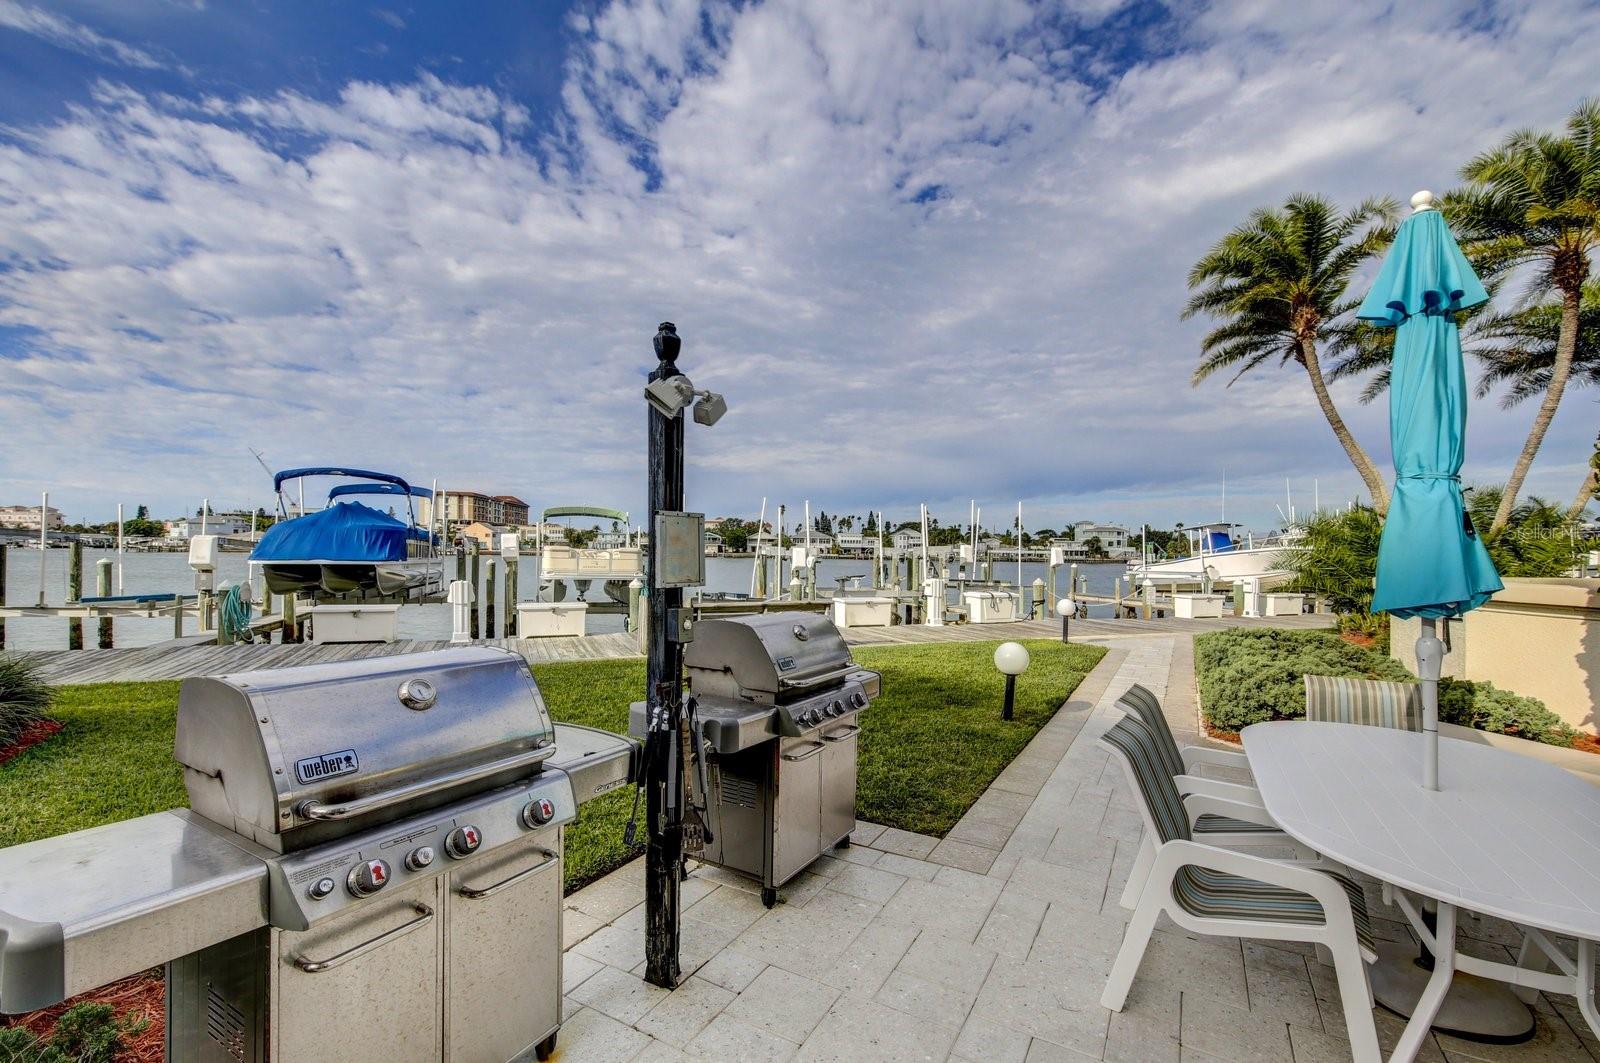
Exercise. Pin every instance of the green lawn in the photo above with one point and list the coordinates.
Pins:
(929, 746)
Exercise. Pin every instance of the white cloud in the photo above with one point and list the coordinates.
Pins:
(63, 32)
(928, 251)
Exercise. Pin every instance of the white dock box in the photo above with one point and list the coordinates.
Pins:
(544, 620)
(337, 622)
(1197, 606)
(990, 607)
(863, 612)
(1283, 604)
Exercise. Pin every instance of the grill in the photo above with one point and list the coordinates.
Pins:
(776, 702)
(370, 867)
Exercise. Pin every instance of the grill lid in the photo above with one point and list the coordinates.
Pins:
(292, 756)
(769, 657)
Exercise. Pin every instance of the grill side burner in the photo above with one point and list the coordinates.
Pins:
(371, 868)
(777, 702)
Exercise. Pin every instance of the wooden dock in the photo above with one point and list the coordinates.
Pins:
(179, 658)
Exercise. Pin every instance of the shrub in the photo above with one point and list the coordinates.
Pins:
(85, 1033)
(24, 697)
(1488, 708)
(1251, 675)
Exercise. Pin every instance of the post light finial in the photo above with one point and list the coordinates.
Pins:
(667, 342)
(1422, 201)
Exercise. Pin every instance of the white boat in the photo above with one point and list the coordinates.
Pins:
(1218, 555)
(613, 558)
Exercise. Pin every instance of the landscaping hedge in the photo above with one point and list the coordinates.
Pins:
(1250, 675)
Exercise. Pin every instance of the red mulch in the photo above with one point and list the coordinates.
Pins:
(142, 996)
(1359, 638)
(1221, 735)
(1586, 742)
(31, 737)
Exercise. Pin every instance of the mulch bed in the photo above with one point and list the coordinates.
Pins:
(141, 996)
(31, 737)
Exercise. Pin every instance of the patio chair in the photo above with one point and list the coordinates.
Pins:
(1374, 702)
(1226, 893)
(1214, 803)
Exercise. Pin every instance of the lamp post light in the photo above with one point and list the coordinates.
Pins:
(1012, 660)
(1067, 608)
(675, 560)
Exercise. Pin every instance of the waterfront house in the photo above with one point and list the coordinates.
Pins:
(855, 544)
(906, 539)
(215, 524)
(27, 517)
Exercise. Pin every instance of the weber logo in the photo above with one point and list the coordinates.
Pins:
(785, 664)
(315, 769)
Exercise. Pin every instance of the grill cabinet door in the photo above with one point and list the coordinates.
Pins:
(503, 972)
(797, 812)
(838, 783)
(383, 1004)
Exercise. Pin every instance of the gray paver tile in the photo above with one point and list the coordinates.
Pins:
(870, 958)
(868, 883)
(575, 967)
(783, 1004)
(657, 1052)
(964, 855)
(1012, 925)
(727, 907)
(623, 996)
(858, 1030)
(927, 1000)
(731, 970)
(728, 1038)
(949, 910)
(612, 895)
(981, 1039)
(1146, 1029)
(577, 925)
(1045, 1000)
(1280, 985)
(686, 1011)
(1211, 1026)
(592, 1037)
(904, 842)
(1042, 1051)
(905, 865)
(866, 833)
(858, 854)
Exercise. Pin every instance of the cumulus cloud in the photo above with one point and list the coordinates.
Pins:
(929, 251)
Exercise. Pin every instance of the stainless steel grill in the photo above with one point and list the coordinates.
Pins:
(777, 699)
(370, 865)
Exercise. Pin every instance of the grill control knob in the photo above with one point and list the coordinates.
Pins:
(321, 888)
(463, 841)
(858, 699)
(538, 812)
(420, 857)
(368, 878)
(836, 709)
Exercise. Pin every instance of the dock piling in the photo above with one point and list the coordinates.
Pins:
(291, 626)
(475, 579)
(513, 563)
(102, 587)
(75, 593)
(488, 599)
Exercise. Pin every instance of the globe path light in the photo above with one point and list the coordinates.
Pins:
(1067, 609)
(1011, 658)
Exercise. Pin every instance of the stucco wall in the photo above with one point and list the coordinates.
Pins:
(1538, 637)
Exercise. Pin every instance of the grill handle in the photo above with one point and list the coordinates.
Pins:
(424, 917)
(551, 856)
(842, 735)
(312, 809)
(816, 747)
(804, 682)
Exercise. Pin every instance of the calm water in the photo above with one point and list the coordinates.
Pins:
(146, 573)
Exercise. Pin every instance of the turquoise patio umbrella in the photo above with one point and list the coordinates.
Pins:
(1431, 561)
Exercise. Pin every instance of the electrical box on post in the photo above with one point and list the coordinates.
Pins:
(679, 548)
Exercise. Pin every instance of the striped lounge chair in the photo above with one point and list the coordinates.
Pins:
(1223, 892)
(1222, 824)
(1374, 702)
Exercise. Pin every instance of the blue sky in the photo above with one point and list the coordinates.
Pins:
(931, 251)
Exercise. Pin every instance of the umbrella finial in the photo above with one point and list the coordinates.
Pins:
(1422, 201)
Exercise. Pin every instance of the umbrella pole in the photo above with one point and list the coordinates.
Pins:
(1430, 659)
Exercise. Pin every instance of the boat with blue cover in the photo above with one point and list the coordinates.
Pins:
(350, 548)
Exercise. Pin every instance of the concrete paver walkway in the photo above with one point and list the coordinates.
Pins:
(991, 944)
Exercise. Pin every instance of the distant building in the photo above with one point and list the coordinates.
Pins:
(713, 543)
(27, 517)
(487, 535)
(467, 507)
(906, 539)
(855, 543)
(1113, 539)
(215, 524)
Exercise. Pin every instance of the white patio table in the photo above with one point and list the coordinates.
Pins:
(1504, 835)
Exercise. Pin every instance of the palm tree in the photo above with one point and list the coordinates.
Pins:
(1535, 201)
(1279, 283)
(1520, 348)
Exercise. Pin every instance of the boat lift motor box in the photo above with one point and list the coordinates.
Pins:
(543, 620)
(863, 612)
(990, 607)
(203, 559)
(510, 545)
(341, 622)
(1283, 604)
(1197, 606)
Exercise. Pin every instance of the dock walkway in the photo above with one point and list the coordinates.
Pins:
(180, 658)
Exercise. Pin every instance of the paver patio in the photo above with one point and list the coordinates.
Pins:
(991, 944)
